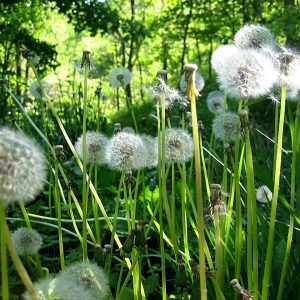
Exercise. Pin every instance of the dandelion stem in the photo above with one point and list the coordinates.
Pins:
(4, 270)
(292, 203)
(200, 223)
(269, 255)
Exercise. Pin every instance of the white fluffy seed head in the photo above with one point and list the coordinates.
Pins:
(36, 91)
(152, 155)
(82, 280)
(290, 67)
(23, 167)
(221, 55)
(119, 76)
(95, 147)
(126, 152)
(215, 102)
(199, 83)
(45, 289)
(247, 74)
(254, 36)
(26, 241)
(263, 194)
(179, 145)
(225, 126)
(163, 90)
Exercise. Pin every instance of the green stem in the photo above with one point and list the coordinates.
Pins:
(269, 255)
(200, 218)
(58, 205)
(84, 169)
(292, 203)
(4, 269)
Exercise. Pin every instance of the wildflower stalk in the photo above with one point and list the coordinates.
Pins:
(95, 206)
(58, 205)
(191, 69)
(161, 238)
(4, 269)
(292, 203)
(84, 165)
(268, 261)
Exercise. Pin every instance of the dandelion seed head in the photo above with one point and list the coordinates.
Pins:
(120, 76)
(96, 144)
(247, 74)
(152, 148)
(221, 55)
(128, 130)
(263, 194)
(225, 126)
(36, 91)
(254, 36)
(126, 152)
(290, 67)
(179, 145)
(26, 241)
(23, 167)
(45, 289)
(215, 102)
(163, 90)
(84, 278)
(199, 83)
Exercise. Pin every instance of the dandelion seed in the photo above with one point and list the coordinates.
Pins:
(199, 83)
(215, 102)
(247, 74)
(22, 167)
(45, 289)
(225, 126)
(37, 92)
(82, 281)
(179, 145)
(126, 152)
(120, 76)
(26, 241)
(263, 194)
(96, 144)
(254, 36)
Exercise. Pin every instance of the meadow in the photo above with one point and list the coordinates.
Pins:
(175, 185)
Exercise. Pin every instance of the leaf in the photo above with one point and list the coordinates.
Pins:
(150, 284)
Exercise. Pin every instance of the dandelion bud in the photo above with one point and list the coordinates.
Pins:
(95, 147)
(60, 155)
(225, 126)
(162, 75)
(254, 36)
(82, 280)
(126, 152)
(22, 167)
(263, 194)
(128, 246)
(179, 145)
(117, 128)
(215, 102)
(26, 241)
(215, 191)
(199, 83)
(120, 76)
